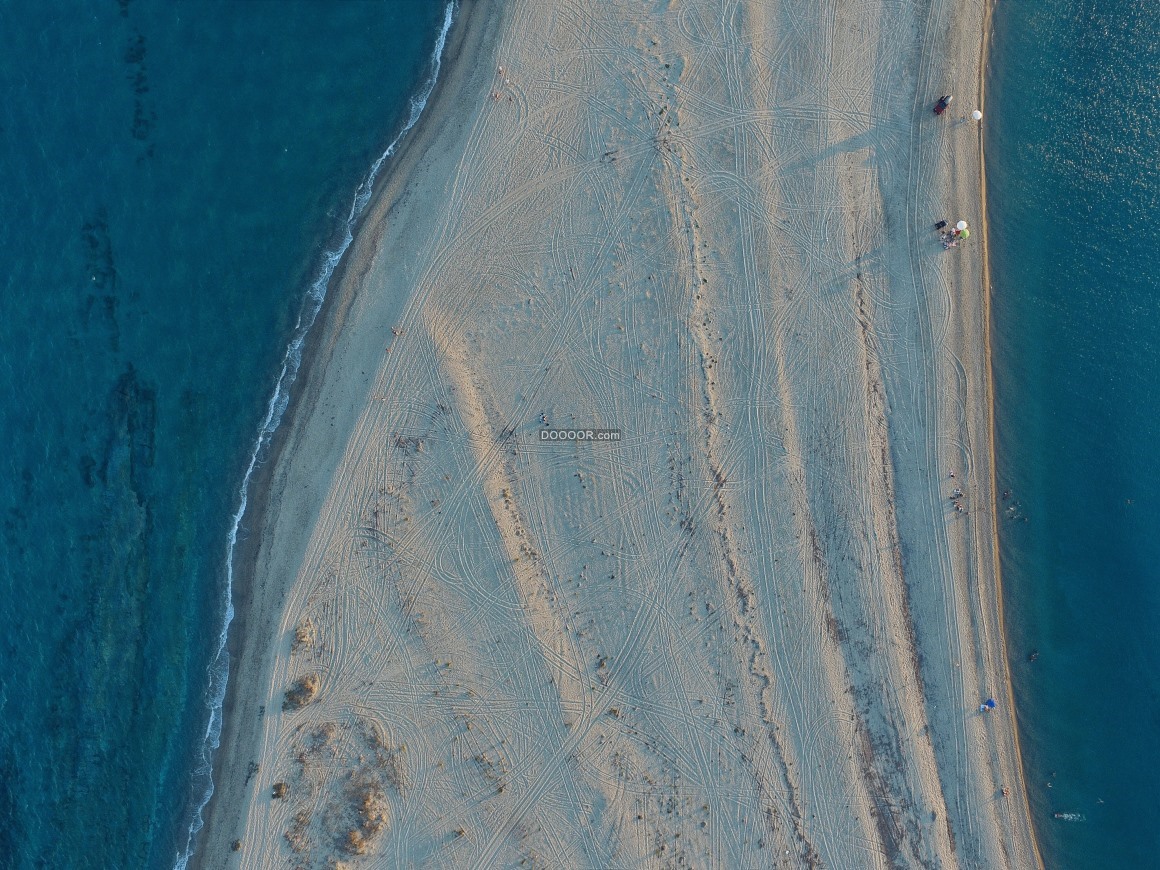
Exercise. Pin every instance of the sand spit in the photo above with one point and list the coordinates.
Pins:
(753, 632)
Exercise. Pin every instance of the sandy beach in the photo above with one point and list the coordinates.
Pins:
(754, 631)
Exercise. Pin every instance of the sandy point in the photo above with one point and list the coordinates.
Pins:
(754, 629)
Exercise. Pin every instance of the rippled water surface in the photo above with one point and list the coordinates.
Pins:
(172, 174)
(1073, 158)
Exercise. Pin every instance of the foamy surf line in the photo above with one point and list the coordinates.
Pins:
(275, 409)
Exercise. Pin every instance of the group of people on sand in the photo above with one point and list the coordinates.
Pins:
(957, 498)
(951, 236)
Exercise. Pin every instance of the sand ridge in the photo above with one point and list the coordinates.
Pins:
(754, 631)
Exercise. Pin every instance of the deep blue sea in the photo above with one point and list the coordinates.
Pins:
(1073, 162)
(173, 179)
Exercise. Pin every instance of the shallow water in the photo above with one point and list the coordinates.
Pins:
(1074, 186)
(173, 175)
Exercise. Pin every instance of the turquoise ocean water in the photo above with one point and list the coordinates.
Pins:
(1073, 161)
(172, 178)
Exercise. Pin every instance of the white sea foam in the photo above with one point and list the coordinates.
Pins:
(275, 409)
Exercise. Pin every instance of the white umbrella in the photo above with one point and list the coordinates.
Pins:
(977, 115)
(961, 225)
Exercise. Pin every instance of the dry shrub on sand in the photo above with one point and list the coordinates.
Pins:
(305, 635)
(340, 802)
(370, 804)
(302, 692)
(323, 735)
(355, 843)
(386, 759)
(298, 835)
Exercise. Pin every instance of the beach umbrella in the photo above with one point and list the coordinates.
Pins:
(961, 225)
(964, 234)
(990, 704)
(977, 115)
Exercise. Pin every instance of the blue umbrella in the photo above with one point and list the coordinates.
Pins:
(990, 704)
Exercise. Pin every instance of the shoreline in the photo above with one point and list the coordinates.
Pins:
(987, 288)
(243, 642)
(846, 645)
(992, 633)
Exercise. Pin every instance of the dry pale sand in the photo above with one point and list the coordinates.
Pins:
(754, 632)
